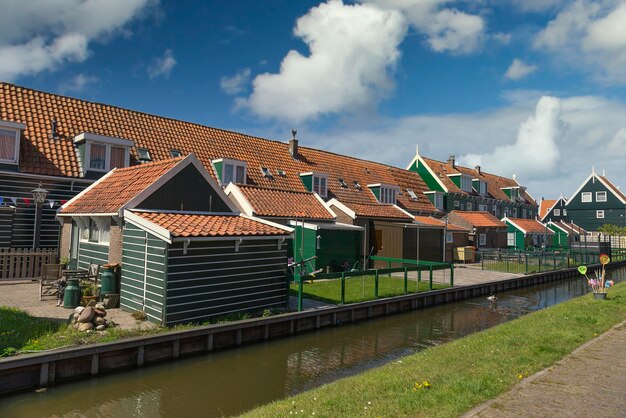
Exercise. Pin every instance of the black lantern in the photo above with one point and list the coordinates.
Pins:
(39, 196)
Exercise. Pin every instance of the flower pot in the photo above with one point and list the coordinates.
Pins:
(598, 295)
(86, 299)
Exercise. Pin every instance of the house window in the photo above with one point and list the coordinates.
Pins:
(232, 171)
(357, 186)
(564, 212)
(84, 233)
(483, 188)
(449, 237)
(600, 214)
(319, 185)
(175, 153)
(585, 197)
(469, 206)
(144, 154)
(524, 213)
(9, 146)
(483, 208)
(466, 184)
(411, 194)
(600, 196)
(343, 184)
(266, 172)
(510, 239)
(506, 211)
(482, 240)
(457, 204)
(94, 233)
(118, 157)
(514, 213)
(97, 157)
(557, 212)
(438, 201)
(388, 195)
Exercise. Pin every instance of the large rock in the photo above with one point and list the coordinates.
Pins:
(86, 326)
(92, 303)
(100, 312)
(98, 320)
(86, 315)
(101, 327)
(79, 309)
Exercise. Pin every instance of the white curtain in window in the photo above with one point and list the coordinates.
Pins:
(7, 145)
(97, 156)
(241, 174)
(118, 157)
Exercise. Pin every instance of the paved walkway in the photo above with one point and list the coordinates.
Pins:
(24, 295)
(590, 382)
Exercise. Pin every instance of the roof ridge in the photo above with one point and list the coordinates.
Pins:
(468, 168)
(255, 186)
(152, 164)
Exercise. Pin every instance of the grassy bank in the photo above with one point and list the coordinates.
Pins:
(361, 288)
(464, 373)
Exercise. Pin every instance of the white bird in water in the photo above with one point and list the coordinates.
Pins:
(492, 298)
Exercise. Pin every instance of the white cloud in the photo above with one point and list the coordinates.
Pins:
(353, 50)
(588, 134)
(446, 29)
(537, 5)
(78, 83)
(40, 35)
(591, 35)
(519, 69)
(162, 66)
(535, 153)
(237, 83)
(503, 38)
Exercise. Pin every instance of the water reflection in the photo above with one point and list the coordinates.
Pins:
(228, 383)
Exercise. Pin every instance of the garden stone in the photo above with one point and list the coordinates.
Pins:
(98, 320)
(91, 303)
(85, 326)
(86, 315)
(76, 316)
(100, 312)
(101, 327)
(79, 309)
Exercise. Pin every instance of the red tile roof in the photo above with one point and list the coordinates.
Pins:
(285, 203)
(195, 225)
(429, 220)
(571, 227)
(119, 187)
(479, 219)
(614, 187)
(377, 211)
(531, 226)
(545, 205)
(42, 155)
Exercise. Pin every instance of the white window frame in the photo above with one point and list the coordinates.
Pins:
(322, 184)
(483, 208)
(603, 194)
(107, 156)
(482, 240)
(149, 155)
(600, 214)
(469, 206)
(557, 212)
(235, 164)
(586, 197)
(510, 239)
(449, 237)
(16, 150)
(514, 213)
(438, 200)
(388, 195)
(483, 187)
(564, 212)
(466, 183)
(457, 204)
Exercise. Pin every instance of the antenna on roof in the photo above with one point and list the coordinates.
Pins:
(293, 144)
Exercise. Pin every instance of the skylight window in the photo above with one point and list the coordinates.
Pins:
(412, 194)
(175, 153)
(281, 173)
(266, 172)
(343, 183)
(143, 154)
(357, 185)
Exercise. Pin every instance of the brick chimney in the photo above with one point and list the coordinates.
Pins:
(293, 145)
(452, 160)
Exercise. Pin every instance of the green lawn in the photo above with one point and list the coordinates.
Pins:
(463, 373)
(522, 268)
(17, 328)
(361, 288)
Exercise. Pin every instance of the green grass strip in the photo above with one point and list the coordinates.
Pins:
(361, 288)
(463, 373)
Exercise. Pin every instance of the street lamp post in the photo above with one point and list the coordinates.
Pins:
(39, 196)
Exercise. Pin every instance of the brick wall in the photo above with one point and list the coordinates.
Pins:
(115, 242)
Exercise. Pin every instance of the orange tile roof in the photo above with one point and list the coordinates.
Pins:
(285, 203)
(495, 183)
(40, 154)
(195, 225)
(119, 187)
(479, 219)
(429, 220)
(531, 226)
(545, 205)
(377, 211)
(614, 187)
(571, 227)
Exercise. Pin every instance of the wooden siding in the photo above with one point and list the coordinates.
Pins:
(430, 244)
(213, 279)
(584, 214)
(6, 226)
(144, 270)
(181, 193)
(21, 186)
(92, 253)
(338, 247)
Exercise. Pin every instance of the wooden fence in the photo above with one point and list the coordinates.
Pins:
(18, 263)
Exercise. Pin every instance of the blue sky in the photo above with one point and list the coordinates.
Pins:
(527, 87)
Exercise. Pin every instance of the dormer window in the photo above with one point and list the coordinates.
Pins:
(10, 141)
(230, 171)
(103, 153)
(462, 181)
(315, 182)
(175, 153)
(144, 154)
(384, 193)
(480, 186)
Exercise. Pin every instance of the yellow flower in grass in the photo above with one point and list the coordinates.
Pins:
(426, 384)
(519, 376)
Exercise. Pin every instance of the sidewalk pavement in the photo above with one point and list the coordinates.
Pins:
(590, 382)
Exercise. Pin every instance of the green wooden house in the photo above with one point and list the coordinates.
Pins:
(527, 234)
(186, 253)
(597, 202)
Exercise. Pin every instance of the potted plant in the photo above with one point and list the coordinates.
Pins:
(64, 262)
(599, 284)
(88, 292)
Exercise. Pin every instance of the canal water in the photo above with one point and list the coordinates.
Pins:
(230, 382)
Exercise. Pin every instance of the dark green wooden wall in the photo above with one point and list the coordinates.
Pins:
(92, 253)
(584, 214)
(339, 247)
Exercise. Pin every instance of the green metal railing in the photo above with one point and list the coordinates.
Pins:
(373, 283)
